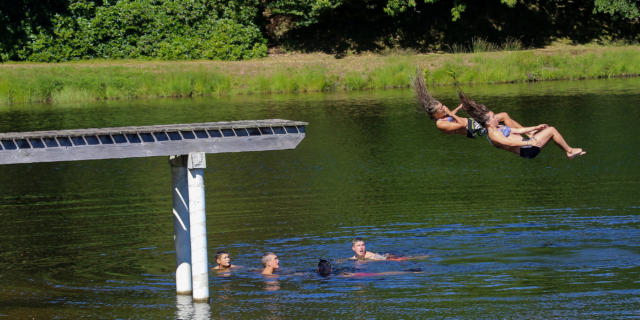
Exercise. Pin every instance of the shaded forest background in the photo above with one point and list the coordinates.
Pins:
(64, 30)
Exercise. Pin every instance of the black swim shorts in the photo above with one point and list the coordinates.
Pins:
(474, 129)
(529, 152)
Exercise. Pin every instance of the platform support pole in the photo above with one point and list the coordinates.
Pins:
(181, 226)
(196, 164)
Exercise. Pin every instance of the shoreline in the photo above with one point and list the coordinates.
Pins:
(96, 80)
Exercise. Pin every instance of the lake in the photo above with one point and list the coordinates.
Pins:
(506, 237)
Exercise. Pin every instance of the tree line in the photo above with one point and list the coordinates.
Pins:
(64, 30)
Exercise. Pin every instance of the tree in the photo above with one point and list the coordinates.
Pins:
(18, 18)
(627, 9)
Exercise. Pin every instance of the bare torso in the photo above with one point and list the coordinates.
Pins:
(495, 134)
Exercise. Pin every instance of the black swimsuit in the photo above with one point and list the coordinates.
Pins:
(529, 152)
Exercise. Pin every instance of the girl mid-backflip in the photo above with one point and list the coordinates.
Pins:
(446, 120)
(511, 139)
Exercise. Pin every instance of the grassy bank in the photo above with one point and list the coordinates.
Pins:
(100, 80)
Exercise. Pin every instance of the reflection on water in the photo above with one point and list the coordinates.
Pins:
(271, 283)
(506, 237)
(189, 310)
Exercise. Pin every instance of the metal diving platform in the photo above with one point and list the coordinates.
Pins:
(148, 141)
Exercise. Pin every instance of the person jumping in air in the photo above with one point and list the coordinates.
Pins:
(446, 120)
(511, 139)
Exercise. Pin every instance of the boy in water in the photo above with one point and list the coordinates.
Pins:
(324, 270)
(361, 253)
(271, 263)
(223, 261)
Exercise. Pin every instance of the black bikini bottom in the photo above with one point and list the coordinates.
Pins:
(529, 152)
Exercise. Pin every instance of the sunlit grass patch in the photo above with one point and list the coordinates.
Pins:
(300, 73)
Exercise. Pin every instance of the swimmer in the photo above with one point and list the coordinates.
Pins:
(224, 262)
(511, 139)
(361, 253)
(447, 121)
(324, 270)
(271, 263)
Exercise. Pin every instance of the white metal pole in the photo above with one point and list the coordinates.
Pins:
(181, 226)
(197, 216)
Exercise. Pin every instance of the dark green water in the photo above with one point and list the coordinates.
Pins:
(507, 237)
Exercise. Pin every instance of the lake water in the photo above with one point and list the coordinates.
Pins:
(506, 237)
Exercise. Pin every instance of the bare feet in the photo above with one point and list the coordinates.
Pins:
(575, 152)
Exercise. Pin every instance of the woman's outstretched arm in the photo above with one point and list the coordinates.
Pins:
(528, 129)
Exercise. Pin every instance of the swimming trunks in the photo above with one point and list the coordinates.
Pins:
(529, 152)
(475, 129)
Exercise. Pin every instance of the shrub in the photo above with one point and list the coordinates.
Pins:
(232, 41)
(165, 29)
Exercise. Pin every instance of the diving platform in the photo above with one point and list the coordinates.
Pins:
(186, 145)
(149, 141)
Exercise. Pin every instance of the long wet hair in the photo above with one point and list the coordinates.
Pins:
(477, 111)
(428, 103)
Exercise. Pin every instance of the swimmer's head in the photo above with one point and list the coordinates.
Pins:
(270, 259)
(358, 247)
(356, 240)
(222, 259)
(324, 268)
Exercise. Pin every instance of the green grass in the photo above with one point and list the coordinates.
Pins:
(522, 66)
(105, 80)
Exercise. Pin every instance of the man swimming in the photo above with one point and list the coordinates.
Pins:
(361, 253)
(325, 270)
(271, 263)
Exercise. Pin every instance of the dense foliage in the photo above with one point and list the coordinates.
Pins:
(61, 30)
(166, 29)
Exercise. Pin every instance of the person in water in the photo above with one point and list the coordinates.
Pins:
(325, 270)
(511, 139)
(361, 253)
(447, 121)
(223, 262)
(271, 263)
